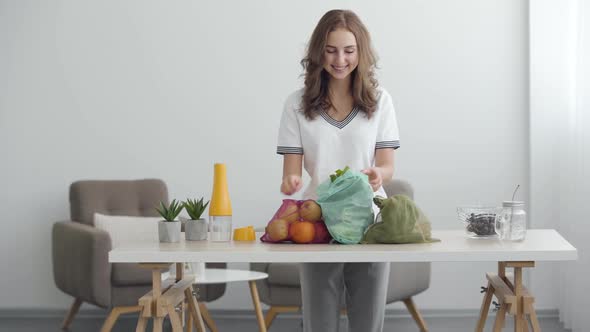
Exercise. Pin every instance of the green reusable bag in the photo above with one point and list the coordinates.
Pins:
(347, 205)
(401, 222)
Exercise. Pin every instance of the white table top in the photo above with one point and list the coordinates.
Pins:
(220, 276)
(455, 246)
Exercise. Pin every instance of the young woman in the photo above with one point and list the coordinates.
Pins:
(340, 118)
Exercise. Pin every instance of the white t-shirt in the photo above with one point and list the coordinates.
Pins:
(328, 145)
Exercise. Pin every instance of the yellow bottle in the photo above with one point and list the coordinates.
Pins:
(220, 212)
(220, 203)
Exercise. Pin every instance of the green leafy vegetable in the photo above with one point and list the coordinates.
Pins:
(338, 173)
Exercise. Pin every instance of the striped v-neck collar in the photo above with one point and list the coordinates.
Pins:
(339, 124)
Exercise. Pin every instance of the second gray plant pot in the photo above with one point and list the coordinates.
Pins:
(195, 230)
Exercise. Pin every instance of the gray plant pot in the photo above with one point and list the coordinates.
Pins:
(195, 230)
(169, 231)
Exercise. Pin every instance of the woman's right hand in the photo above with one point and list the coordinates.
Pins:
(291, 184)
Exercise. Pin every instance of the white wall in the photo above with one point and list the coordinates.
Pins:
(133, 89)
(552, 86)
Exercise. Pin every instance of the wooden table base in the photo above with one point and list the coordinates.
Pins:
(165, 297)
(173, 296)
(513, 298)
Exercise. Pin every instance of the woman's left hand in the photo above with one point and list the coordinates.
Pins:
(375, 178)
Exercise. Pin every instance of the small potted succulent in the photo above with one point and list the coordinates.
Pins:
(169, 228)
(195, 228)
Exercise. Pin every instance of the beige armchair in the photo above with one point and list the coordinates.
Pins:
(80, 251)
(282, 289)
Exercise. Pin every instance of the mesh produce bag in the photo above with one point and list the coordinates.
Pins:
(400, 221)
(347, 205)
(287, 213)
(278, 228)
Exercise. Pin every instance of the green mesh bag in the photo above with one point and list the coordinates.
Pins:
(347, 205)
(401, 222)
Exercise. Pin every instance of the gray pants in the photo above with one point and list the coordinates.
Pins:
(365, 286)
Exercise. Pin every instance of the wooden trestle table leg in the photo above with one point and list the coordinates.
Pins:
(163, 299)
(513, 297)
(485, 307)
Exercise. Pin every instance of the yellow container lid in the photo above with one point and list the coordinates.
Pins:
(244, 234)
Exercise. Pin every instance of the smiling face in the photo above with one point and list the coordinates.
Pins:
(340, 54)
(339, 45)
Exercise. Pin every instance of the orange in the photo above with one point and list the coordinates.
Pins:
(302, 232)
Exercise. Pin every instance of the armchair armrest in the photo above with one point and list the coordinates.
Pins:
(80, 262)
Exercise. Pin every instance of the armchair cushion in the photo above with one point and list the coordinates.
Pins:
(284, 274)
(128, 228)
(407, 279)
(129, 274)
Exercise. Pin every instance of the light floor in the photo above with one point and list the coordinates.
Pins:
(286, 324)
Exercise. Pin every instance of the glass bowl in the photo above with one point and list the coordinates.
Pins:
(478, 220)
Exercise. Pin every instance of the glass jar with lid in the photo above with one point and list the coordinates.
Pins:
(511, 221)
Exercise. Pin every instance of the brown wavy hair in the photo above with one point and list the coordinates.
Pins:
(363, 81)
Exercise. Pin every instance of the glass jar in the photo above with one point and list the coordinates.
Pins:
(220, 228)
(511, 221)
